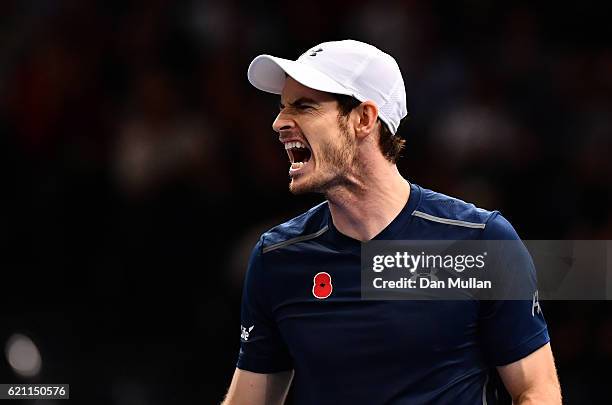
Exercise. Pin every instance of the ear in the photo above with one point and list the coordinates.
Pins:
(366, 119)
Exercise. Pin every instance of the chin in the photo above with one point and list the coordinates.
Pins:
(298, 189)
(300, 185)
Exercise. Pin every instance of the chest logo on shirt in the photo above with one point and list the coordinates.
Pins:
(322, 285)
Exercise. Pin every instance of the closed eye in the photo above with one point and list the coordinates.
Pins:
(301, 107)
(301, 104)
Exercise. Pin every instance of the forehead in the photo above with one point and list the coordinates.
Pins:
(292, 90)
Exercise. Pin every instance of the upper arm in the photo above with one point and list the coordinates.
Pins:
(258, 389)
(264, 370)
(514, 332)
(262, 347)
(532, 379)
(511, 329)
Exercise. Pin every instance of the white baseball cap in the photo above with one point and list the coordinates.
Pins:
(343, 67)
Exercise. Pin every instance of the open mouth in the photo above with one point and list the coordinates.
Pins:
(299, 154)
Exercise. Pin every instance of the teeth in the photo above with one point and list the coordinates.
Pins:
(297, 165)
(296, 144)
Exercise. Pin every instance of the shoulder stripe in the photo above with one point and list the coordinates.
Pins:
(302, 238)
(448, 221)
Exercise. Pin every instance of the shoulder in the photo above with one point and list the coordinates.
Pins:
(450, 213)
(306, 226)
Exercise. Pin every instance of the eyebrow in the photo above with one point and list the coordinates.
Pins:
(299, 102)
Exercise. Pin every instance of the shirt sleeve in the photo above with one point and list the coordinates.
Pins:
(511, 329)
(262, 349)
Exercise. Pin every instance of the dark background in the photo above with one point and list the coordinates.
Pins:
(139, 167)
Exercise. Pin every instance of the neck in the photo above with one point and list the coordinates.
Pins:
(363, 212)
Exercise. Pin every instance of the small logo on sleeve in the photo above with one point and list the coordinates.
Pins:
(322, 285)
(535, 304)
(245, 333)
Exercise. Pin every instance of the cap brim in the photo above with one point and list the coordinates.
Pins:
(268, 73)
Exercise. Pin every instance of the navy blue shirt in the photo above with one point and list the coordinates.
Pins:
(346, 350)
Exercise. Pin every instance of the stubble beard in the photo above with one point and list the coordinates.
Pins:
(335, 166)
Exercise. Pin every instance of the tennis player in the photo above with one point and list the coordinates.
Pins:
(303, 320)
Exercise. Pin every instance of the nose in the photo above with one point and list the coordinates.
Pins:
(282, 122)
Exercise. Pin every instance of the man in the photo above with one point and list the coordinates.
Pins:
(303, 319)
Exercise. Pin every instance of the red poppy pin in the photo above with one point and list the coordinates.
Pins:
(322, 285)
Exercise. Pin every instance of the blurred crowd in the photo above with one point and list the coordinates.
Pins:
(140, 167)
